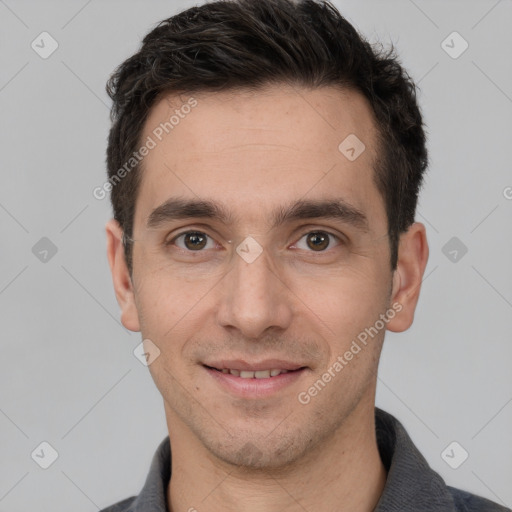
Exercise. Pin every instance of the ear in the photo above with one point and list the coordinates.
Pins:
(121, 277)
(412, 260)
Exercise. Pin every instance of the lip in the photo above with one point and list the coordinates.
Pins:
(267, 364)
(255, 388)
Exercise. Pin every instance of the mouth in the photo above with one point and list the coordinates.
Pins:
(259, 380)
(256, 374)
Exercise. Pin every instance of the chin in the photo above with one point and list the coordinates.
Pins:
(259, 452)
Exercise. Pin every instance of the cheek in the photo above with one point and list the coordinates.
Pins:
(346, 300)
(167, 308)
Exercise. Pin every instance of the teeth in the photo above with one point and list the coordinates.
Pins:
(260, 374)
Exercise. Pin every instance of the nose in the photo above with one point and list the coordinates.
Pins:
(254, 298)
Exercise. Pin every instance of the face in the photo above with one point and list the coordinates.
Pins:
(259, 246)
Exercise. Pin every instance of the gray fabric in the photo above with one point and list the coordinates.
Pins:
(411, 485)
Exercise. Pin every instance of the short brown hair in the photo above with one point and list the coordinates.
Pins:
(236, 44)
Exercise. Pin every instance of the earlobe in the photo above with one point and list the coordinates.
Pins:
(121, 277)
(407, 278)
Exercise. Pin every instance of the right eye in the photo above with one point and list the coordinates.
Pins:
(193, 241)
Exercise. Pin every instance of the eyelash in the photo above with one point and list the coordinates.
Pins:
(332, 235)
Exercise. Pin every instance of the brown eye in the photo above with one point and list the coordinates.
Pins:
(192, 240)
(317, 240)
(195, 241)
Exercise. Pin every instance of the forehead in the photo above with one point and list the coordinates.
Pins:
(249, 149)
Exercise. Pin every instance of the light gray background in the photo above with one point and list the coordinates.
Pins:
(67, 369)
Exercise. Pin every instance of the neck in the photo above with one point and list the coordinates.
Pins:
(345, 473)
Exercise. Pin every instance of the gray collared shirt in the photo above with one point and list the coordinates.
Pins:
(411, 485)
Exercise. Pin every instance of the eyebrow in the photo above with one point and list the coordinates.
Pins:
(337, 209)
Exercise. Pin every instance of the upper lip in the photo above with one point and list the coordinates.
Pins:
(267, 364)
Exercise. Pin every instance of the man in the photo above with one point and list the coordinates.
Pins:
(264, 165)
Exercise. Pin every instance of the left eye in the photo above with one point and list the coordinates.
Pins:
(318, 241)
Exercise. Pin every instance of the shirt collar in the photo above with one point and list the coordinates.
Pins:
(410, 485)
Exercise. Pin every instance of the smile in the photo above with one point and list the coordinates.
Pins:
(258, 382)
(247, 374)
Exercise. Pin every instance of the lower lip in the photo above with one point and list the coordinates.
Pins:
(255, 388)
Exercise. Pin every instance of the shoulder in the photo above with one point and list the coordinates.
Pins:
(120, 506)
(467, 502)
